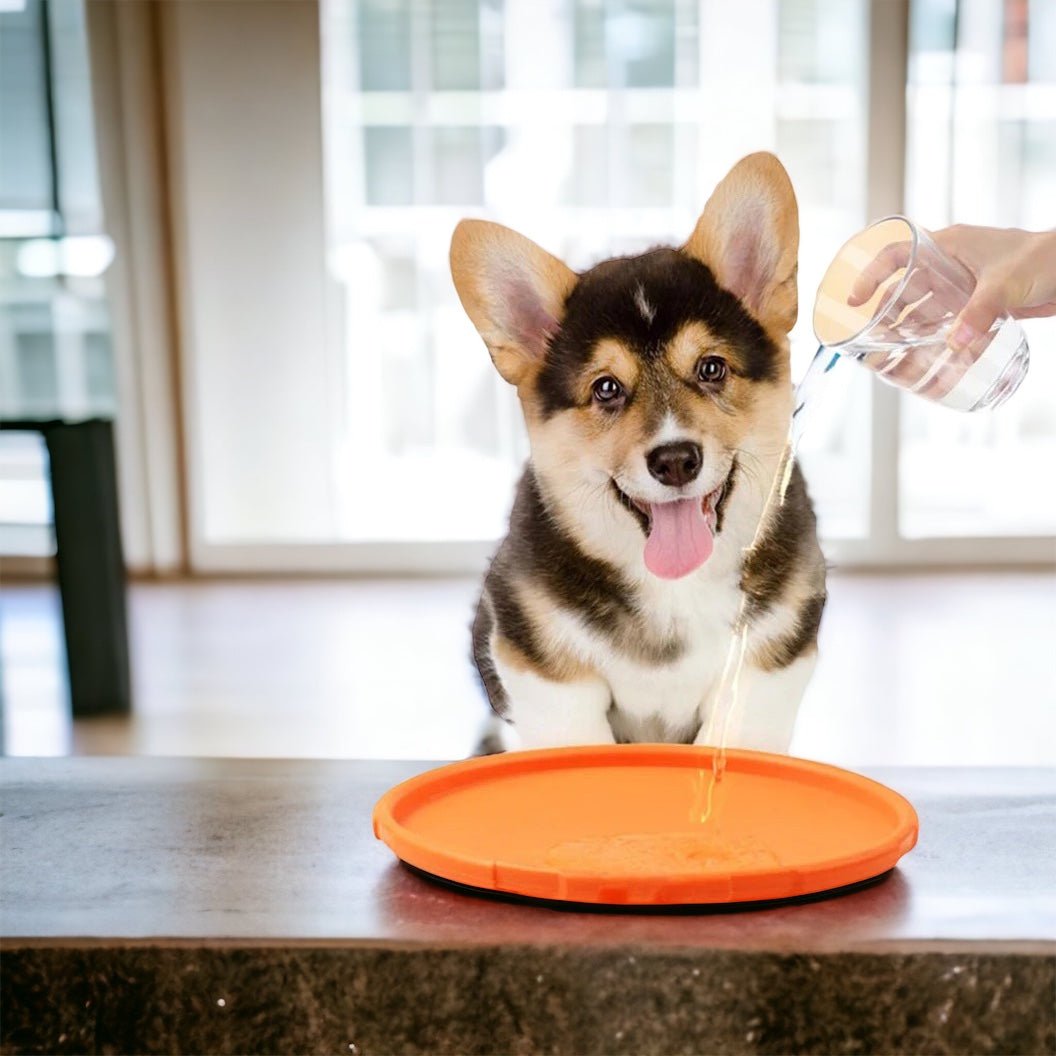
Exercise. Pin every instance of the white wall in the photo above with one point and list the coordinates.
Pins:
(242, 97)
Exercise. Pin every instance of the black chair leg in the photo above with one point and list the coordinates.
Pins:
(91, 565)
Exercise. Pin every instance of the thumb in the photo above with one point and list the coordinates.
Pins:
(977, 316)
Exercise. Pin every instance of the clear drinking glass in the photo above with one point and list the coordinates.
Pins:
(889, 299)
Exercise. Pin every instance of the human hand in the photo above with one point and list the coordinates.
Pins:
(1015, 273)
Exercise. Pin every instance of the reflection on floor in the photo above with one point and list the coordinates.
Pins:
(936, 668)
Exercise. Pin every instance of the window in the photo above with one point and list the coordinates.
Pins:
(610, 145)
(55, 354)
(982, 150)
(340, 410)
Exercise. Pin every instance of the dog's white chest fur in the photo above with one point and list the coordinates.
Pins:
(631, 697)
(664, 701)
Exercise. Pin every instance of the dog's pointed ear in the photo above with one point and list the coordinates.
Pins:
(512, 290)
(748, 235)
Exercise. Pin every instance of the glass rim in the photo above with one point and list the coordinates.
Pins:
(902, 283)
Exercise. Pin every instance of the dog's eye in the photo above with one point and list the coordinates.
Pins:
(711, 369)
(607, 390)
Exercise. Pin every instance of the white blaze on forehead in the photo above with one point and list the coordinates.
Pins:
(643, 305)
(669, 432)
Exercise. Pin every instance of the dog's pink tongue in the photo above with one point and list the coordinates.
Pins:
(680, 538)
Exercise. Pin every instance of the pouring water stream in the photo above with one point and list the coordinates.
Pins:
(727, 693)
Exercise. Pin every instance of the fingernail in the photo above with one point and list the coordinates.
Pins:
(962, 337)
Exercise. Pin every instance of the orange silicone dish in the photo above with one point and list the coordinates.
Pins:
(629, 825)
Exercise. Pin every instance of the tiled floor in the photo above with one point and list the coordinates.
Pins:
(942, 668)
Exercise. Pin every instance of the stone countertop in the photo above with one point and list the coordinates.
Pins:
(152, 904)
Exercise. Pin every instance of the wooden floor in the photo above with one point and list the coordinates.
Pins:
(941, 668)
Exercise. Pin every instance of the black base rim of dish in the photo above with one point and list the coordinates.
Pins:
(674, 909)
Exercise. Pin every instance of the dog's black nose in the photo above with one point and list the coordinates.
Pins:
(675, 464)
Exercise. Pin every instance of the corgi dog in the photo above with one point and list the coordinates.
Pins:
(657, 395)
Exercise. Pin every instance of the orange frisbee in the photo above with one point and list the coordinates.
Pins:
(629, 825)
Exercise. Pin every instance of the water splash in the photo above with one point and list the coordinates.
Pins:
(652, 854)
